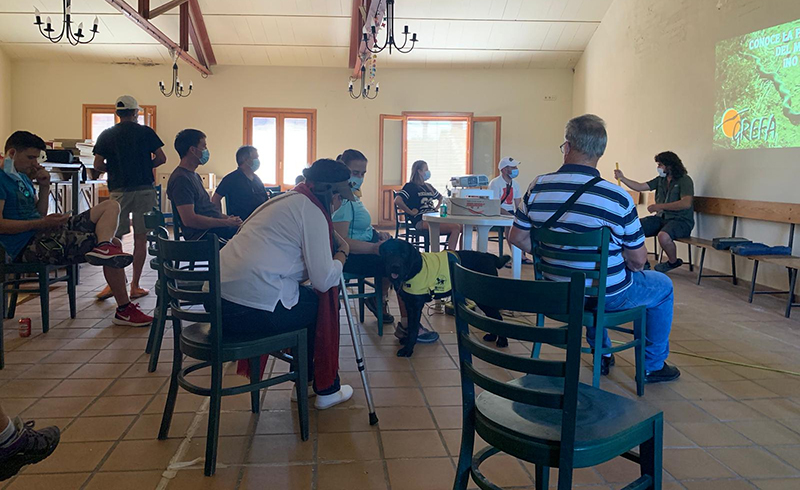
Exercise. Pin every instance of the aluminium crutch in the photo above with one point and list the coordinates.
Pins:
(373, 418)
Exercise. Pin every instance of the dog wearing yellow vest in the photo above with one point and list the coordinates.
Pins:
(420, 277)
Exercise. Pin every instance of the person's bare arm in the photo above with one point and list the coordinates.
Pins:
(159, 158)
(635, 258)
(683, 203)
(217, 200)
(199, 222)
(402, 205)
(100, 163)
(42, 178)
(520, 238)
(632, 184)
(356, 246)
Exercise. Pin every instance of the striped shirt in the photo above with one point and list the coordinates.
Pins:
(603, 205)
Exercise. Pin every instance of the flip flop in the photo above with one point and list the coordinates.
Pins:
(105, 294)
(139, 293)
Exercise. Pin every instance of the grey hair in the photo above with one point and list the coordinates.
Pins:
(587, 134)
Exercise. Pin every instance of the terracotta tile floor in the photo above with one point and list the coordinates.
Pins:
(728, 426)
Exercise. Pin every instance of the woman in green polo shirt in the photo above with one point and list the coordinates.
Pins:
(674, 210)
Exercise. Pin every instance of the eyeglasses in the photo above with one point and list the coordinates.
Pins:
(562, 147)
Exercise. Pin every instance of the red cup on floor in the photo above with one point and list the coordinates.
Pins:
(24, 327)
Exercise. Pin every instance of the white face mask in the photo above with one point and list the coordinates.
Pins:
(661, 172)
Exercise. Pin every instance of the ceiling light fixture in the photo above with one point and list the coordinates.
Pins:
(74, 38)
(366, 86)
(390, 40)
(176, 87)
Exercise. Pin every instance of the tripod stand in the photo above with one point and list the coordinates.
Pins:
(373, 418)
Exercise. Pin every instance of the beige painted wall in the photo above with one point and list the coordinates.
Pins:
(48, 98)
(649, 72)
(5, 97)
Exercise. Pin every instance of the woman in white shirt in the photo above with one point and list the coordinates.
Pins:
(285, 242)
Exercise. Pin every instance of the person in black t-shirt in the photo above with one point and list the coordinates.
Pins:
(417, 198)
(129, 152)
(242, 189)
(188, 196)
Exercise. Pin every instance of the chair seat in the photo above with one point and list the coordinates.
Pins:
(611, 318)
(196, 343)
(601, 417)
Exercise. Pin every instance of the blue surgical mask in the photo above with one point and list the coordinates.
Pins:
(514, 173)
(255, 164)
(661, 172)
(204, 157)
(8, 168)
(426, 176)
(355, 182)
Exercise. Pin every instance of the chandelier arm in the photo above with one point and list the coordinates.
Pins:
(409, 49)
(94, 33)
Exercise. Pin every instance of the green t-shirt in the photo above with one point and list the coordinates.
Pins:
(671, 192)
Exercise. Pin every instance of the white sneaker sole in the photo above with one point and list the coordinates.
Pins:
(325, 402)
(128, 323)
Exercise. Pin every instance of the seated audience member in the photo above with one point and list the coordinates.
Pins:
(21, 445)
(674, 209)
(353, 222)
(627, 285)
(188, 195)
(286, 242)
(417, 198)
(29, 234)
(242, 189)
(507, 189)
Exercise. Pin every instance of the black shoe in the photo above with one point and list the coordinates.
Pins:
(371, 305)
(647, 265)
(500, 341)
(28, 447)
(606, 363)
(666, 373)
(668, 266)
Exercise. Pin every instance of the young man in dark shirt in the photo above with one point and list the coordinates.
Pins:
(242, 189)
(29, 234)
(129, 152)
(188, 196)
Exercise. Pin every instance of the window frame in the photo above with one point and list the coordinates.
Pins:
(90, 109)
(437, 116)
(280, 114)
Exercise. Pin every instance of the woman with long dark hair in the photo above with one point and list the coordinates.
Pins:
(673, 210)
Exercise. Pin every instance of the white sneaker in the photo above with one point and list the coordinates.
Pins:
(310, 392)
(327, 401)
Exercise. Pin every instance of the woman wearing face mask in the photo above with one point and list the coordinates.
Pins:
(242, 189)
(286, 242)
(674, 210)
(418, 197)
(353, 222)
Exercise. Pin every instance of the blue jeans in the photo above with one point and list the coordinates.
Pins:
(653, 290)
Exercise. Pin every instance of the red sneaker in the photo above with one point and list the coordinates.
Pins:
(132, 316)
(109, 255)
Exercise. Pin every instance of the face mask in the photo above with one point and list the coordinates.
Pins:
(8, 167)
(426, 176)
(661, 172)
(255, 164)
(355, 182)
(514, 173)
(204, 157)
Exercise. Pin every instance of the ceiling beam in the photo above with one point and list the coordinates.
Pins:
(166, 7)
(196, 44)
(144, 8)
(356, 27)
(184, 27)
(196, 19)
(156, 34)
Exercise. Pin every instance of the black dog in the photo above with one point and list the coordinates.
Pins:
(404, 268)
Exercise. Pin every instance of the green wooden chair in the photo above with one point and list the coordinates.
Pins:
(202, 340)
(592, 249)
(546, 417)
(360, 282)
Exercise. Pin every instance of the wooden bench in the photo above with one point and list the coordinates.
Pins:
(775, 212)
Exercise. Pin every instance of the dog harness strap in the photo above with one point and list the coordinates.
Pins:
(434, 278)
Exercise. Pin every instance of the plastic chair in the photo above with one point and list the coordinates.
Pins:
(592, 248)
(545, 417)
(418, 238)
(203, 340)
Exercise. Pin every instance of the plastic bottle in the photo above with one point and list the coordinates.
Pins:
(443, 210)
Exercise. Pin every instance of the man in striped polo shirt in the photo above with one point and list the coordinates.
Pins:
(603, 205)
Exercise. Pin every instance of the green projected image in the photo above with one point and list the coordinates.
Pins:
(758, 89)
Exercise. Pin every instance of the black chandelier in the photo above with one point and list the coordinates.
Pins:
(366, 87)
(176, 87)
(390, 40)
(74, 38)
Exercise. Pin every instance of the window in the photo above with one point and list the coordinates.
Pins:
(443, 142)
(285, 139)
(99, 117)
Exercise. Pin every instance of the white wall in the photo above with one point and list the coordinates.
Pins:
(5, 98)
(649, 72)
(48, 100)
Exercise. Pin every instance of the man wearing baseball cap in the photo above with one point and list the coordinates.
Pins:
(505, 187)
(285, 242)
(129, 152)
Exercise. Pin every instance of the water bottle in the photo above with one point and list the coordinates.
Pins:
(443, 210)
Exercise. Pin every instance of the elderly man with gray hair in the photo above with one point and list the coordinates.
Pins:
(601, 204)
